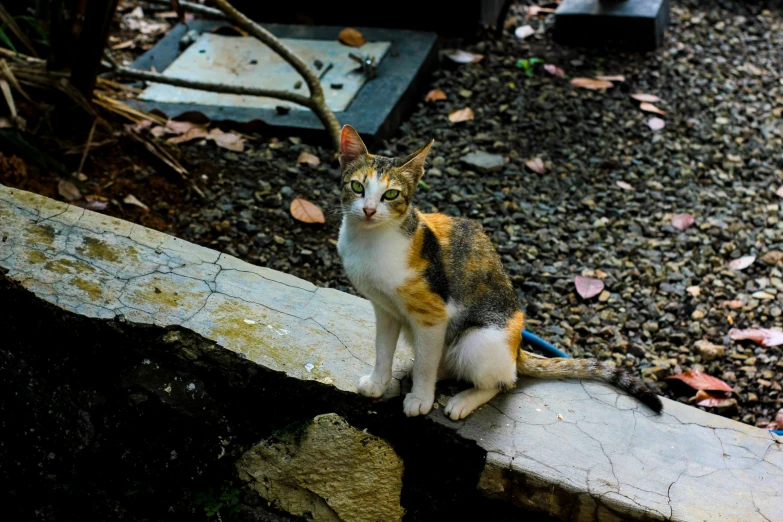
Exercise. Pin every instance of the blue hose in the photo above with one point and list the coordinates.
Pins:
(541, 345)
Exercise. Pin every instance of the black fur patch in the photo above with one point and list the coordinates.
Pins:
(435, 274)
(635, 388)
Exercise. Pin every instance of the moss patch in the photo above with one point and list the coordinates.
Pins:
(94, 247)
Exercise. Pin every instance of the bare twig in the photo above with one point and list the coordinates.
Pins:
(87, 147)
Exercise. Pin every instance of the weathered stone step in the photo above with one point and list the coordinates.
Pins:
(574, 450)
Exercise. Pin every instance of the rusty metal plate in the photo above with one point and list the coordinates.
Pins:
(237, 60)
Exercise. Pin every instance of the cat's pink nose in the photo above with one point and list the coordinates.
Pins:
(368, 212)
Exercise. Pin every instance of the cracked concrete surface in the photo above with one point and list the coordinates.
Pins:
(604, 458)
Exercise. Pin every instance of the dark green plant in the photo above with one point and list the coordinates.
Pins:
(226, 501)
(528, 64)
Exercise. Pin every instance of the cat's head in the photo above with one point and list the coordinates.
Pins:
(375, 189)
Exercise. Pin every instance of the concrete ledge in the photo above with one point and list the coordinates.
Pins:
(574, 450)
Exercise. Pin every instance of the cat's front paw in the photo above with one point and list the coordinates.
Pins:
(413, 405)
(370, 388)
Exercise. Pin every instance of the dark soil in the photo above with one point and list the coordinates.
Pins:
(718, 158)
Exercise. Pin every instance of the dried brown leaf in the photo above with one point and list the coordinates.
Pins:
(701, 381)
(683, 221)
(536, 165)
(435, 95)
(310, 159)
(130, 199)
(193, 133)
(460, 56)
(352, 37)
(306, 212)
(588, 287)
(625, 186)
(741, 263)
(227, 140)
(649, 98)
(763, 336)
(554, 70)
(592, 84)
(656, 123)
(68, 190)
(461, 115)
(649, 107)
(614, 78)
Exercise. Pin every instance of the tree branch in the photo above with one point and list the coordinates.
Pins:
(318, 105)
(213, 87)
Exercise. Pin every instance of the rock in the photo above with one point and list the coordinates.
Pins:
(772, 257)
(329, 470)
(709, 351)
(483, 161)
(698, 315)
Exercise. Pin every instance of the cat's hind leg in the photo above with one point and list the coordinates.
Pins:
(482, 356)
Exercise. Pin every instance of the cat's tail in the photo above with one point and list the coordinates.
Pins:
(533, 365)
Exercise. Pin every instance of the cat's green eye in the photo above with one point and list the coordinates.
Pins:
(391, 194)
(357, 187)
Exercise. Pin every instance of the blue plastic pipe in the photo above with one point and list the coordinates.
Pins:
(541, 345)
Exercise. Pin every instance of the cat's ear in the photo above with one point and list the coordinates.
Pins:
(351, 146)
(414, 164)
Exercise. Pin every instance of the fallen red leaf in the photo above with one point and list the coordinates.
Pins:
(435, 95)
(649, 98)
(461, 115)
(588, 287)
(464, 57)
(351, 37)
(554, 70)
(763, 336)
(711, 399)
(306, 212)
(701, 381)
(682, 221)
(741, 263)
(590, 83)
(536, 165)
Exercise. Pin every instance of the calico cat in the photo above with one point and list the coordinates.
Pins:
(440, 282)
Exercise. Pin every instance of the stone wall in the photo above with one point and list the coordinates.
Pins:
(138, 368)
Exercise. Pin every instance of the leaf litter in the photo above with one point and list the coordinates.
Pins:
(588, 287)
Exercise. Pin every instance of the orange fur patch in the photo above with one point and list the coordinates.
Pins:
(514, 327)
(426, 307)
(440, 225)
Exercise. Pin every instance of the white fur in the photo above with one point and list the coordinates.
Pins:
(482, 357)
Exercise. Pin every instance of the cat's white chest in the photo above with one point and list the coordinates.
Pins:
(375, 261)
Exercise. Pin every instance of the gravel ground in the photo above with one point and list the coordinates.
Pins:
(718, 158)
